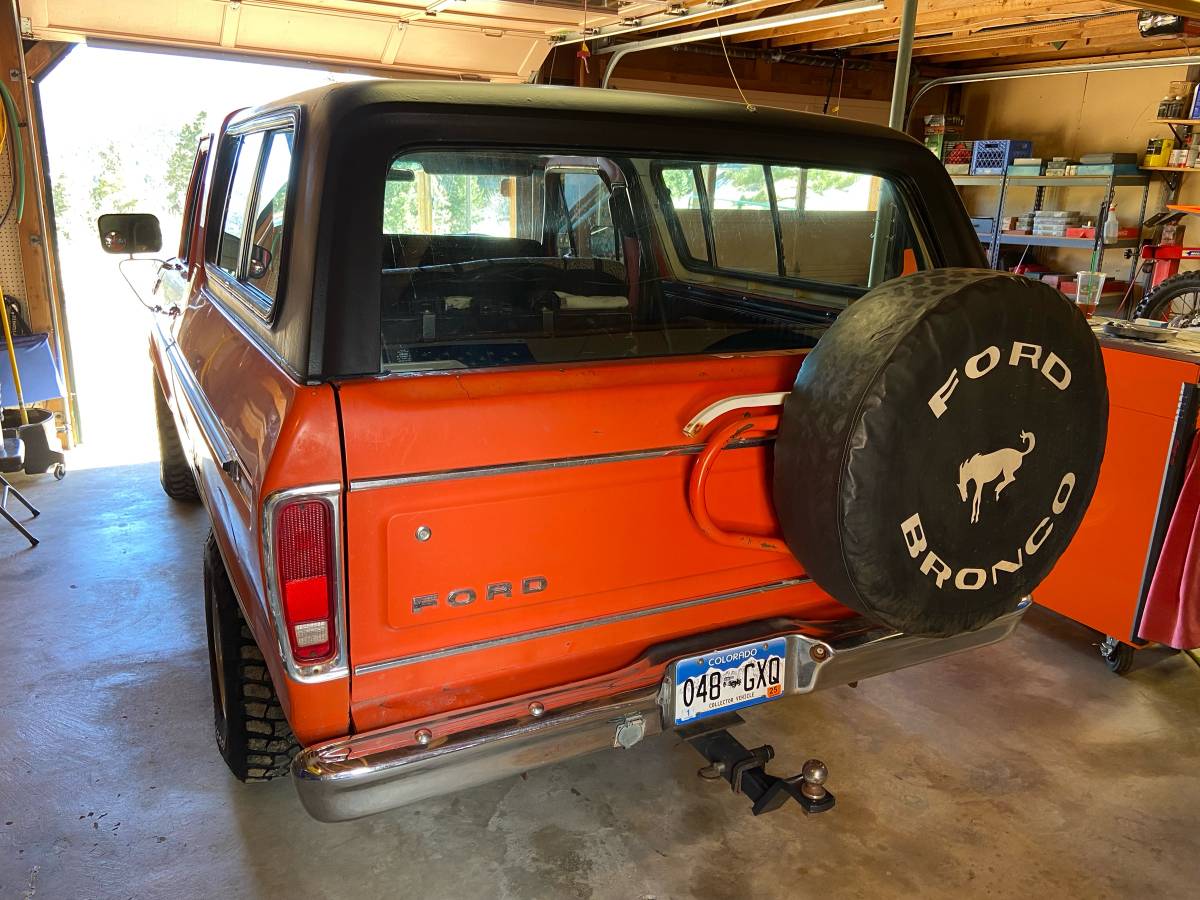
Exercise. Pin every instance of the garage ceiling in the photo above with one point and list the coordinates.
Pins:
(981, 35)
(508, 40)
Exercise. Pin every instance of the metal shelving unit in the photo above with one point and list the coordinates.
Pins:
(988, 240)
(1096, 245)
(1173, 175)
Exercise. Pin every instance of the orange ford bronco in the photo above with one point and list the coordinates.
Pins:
(533, 421)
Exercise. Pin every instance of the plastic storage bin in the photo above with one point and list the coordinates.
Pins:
(993, 157)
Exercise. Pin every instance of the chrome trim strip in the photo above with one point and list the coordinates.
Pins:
(214, 433)
(741, 401)
(490, 643)
(351, 777)
(542, 465)
(339, 665)
(287, 115)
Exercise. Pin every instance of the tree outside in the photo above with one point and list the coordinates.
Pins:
(118, 151)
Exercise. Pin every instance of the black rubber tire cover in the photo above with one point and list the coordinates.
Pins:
(942, 378)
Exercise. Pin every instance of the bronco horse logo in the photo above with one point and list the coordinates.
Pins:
(984, 469)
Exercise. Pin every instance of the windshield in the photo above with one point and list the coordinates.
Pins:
(519, 257)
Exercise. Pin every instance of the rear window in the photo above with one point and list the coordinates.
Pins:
(524, 257)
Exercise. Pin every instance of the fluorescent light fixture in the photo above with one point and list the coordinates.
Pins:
(663, 19)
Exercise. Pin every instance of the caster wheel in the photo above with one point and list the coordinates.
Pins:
(1117, 656)
(60, 471)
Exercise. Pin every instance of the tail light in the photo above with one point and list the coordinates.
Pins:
(307, 581)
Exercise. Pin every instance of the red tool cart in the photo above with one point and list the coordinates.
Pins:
(1104, 578)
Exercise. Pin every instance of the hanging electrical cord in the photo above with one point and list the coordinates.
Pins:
(3, 127)
(749, 106)
(837, 109)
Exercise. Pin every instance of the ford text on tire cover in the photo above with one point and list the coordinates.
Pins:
(534, 421)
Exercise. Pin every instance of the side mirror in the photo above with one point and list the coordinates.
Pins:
(129, 233)
(260, 262)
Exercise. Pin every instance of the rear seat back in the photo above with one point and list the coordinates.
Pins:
(406, 251)
(497, 297)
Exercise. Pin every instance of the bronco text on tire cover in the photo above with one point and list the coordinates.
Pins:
(951, 424)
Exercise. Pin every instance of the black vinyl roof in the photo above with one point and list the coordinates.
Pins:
(327, 107)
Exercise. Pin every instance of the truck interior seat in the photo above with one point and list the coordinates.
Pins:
(405, 251)
(534, 295)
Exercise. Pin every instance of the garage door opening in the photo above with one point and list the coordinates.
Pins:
(121, 130)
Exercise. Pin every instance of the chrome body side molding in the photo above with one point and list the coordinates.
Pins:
(543, 465)
(218, 442)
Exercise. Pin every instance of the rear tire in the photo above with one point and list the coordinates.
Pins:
(174, 470)
(252, 733)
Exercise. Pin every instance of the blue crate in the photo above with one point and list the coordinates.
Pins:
(994, 157)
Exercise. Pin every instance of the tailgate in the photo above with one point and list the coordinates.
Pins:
(511, 530)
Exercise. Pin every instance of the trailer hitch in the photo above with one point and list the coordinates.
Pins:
(746, 772)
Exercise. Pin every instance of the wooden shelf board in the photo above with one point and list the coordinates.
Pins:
(1168, 169)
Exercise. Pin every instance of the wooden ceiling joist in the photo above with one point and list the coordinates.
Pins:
(1104, 24)
(963, 16)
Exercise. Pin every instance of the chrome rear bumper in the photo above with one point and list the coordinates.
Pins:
(379, 770)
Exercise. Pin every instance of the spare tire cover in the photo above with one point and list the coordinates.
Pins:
(940, 447)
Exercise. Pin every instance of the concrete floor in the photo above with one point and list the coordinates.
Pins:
(1025, 769)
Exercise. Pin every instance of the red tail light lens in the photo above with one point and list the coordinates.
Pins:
(307, 587)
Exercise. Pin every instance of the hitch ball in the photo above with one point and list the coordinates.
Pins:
(814, 773)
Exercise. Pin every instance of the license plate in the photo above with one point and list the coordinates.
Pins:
(730, 679)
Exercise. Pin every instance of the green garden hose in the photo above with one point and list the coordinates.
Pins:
(10, 110)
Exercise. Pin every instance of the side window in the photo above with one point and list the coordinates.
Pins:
(743, 223)
(418, 201)
(684, 192)
(191, 206)
(788, 224)
(245, 166)
(585, 226)
(838, 215)
(269, 209)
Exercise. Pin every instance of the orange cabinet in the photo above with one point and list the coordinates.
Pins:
(1098, 581)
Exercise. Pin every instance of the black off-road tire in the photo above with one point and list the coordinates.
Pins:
(178, 480)
(252, 733)
(1159, 300)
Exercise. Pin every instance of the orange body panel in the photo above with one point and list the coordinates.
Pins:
(284, 435)
(1098, 580)
(607, 539)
